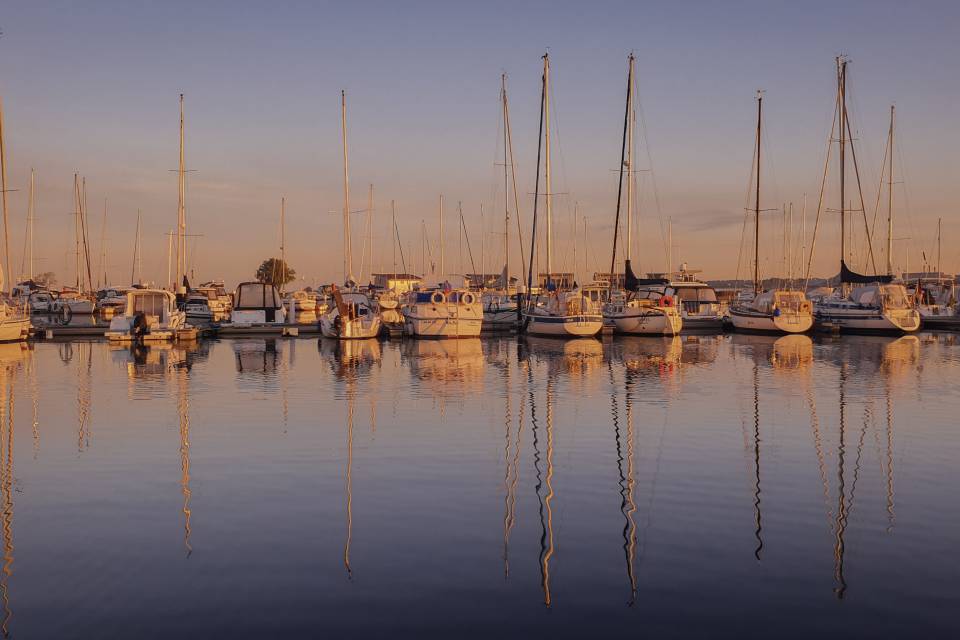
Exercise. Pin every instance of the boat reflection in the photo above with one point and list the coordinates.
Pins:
(449, 368)
(350, 359)
(576, 357)
(255, 355)
(13, 358)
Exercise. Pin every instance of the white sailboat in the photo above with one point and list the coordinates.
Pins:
(500, 305)
(355, 315)
(442, 311)
(78, 301)
(776, 310)
(869, 303)
(14, 321)
(566, 314)
(633, 312)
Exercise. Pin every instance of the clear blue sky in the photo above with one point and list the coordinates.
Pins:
(93, 88)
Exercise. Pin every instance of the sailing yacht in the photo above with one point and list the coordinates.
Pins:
(864, 302)
(442, 311)
(567, 314)
(776, 310)
(354, 314)
(76, 300)
(631, 312)
(14, 321)
(500, 304)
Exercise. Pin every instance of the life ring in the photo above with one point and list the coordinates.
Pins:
(467, 298)
(438, 297)
(666, 301)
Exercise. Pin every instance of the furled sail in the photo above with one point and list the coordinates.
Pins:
(632, 283)
(852, 277)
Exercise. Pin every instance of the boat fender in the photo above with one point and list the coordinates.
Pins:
(437, 297)
(467, 298)
(667, 301)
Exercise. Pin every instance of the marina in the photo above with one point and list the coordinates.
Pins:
(419, 320)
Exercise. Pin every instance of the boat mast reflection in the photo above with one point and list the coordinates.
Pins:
(627, 505)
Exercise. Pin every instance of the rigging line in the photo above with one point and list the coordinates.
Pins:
(513, 177)
(823, 184)
(883, 172)
(856, 169)
(463, 225)
(746, 208)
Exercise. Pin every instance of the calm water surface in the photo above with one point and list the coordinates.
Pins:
(724, 485)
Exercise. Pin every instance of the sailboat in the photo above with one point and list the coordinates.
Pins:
(776, 310)
(354, 314)
(443, 311)
(567, 314)
(633, 312)
(500, 304)
(864, 302)
(14, 322)
(77, 301)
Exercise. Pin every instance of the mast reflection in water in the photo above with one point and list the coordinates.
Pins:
(689, 486)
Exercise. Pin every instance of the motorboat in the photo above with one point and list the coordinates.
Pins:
(353, 316)
(41, 301)
(150, 315)
(390, 308)
(110, 301)
(257, 307)
(303, 303)
(219, 301)
(443, 313)
(197, 308)
(71, 302)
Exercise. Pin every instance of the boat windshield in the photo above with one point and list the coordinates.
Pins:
(151, 304)
(254, 295)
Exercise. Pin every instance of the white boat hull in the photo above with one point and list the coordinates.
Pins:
(429, 320)
(770, 323)
(579, 326)
(648, 321)
(499, 320)
(356, 329)
(868, 320)
(13, 329)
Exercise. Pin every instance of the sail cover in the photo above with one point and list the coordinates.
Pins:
(632, 283)
(852, 277)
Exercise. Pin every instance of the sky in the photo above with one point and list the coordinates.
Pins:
(93, 88)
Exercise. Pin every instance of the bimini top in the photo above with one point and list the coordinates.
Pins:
(253, 296)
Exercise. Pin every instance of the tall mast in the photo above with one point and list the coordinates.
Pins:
(441, 237)
(283, 254)
(939, 224)
(347, 248)
(103, 245)
(548, 192)
(624, 163)
(631, 117)
(181, 212)
(842, 89)
(890, 196)
(30, 216)
(76, 224)
(506, 196)
(3, 196)
(136, 252)
(756, 208)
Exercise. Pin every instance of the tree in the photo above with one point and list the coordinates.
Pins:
(45, 279)
(276, 272)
